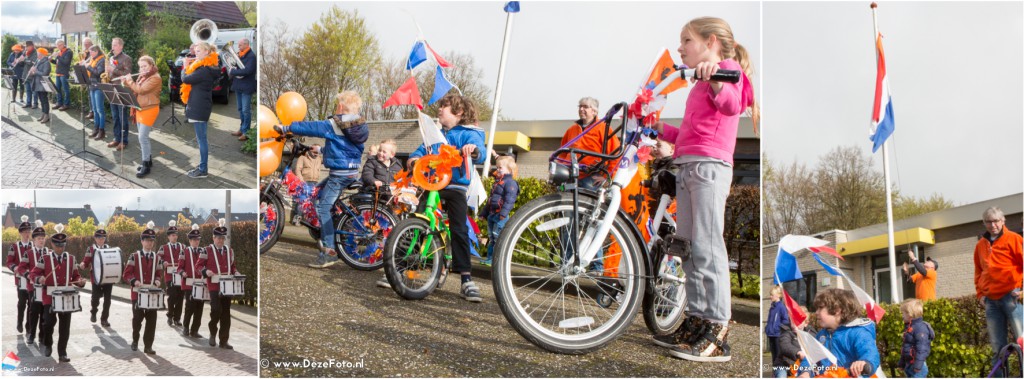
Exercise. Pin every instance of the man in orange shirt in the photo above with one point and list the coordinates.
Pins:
(925, 278)
(998, 269)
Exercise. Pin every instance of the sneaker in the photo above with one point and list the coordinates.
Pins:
(383, 282)
(471, 292)
(196, 174)
(486, 262)
(686, 333)
(324, 261)
(711, 346)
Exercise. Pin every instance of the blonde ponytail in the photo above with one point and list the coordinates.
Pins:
(705, 27)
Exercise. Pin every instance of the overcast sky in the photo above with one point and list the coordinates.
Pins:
(103, 202)
(955, 70)
(27, 17)
(560, 51)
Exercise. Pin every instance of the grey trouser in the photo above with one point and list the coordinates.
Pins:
(701, 192)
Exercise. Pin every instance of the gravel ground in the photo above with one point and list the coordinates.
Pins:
(336, 317)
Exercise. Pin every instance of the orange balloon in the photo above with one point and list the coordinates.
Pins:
(267, 120)
(291, 107)
(269, 160)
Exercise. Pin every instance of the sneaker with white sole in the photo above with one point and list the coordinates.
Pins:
(383, 282)
(471, 292)
(711, 346)
(324, 261)
(195, 173)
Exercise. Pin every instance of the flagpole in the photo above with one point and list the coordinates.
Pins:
(497, 92)
(894, 283)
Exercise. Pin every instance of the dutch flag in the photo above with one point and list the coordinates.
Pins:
(882, 121)
(11, 361)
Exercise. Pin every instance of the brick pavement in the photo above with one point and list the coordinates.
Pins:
(174, 148)
(98, 351)
(24, 154)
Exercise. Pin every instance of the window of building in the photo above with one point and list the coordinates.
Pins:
(803, 291)
(81, 7)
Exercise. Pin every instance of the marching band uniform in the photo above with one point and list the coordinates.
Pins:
(15, 256)
(99, 291)
(169, 254)
(56, 270)
(219, 261)
(142, 269)
(189, 269)
(35, 307)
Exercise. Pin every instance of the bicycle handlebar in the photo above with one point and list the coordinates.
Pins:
(607, 119)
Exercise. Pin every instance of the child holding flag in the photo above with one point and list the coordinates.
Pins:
(704, 147)
(847, 335)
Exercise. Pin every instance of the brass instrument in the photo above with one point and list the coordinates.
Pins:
(206, 31)
(104, 78)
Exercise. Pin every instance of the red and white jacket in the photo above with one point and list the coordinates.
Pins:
(34, 255)
(55, 270)
(87, 259)
(18, 253)
(218, 262)
(189, 265)
(142, 267)
(170, 254)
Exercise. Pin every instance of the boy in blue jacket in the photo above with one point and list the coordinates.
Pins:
(917, 339)
(344, 135)
(503, 197)
(458, 119)
(848, 336)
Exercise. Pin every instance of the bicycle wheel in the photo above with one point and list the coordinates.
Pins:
(663, 309)
(360, 236)
(272, 219)
(554, 303)
(412, 274)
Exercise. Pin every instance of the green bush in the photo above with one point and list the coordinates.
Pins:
(751, 286)
(249, 146)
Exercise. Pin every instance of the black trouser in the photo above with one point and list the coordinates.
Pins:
(193, 314)
(101, 291)
(137, 316)
(44, 99)
(23, 299)
(220, 313)
(174, 300)
(62, 321)
(456, 207)
(17, 85)
(35, 318)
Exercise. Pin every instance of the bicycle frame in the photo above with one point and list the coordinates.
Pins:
(430, 213)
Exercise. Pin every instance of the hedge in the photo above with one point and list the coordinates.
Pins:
(243, 243)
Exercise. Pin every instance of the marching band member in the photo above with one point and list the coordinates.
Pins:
(141, 270)
(119, 64)
(147, 91)
(54, 270)
(62, 57)
(220, 260)
(170, 256)
(96, 67)
(14, 62)
(99, 291)
(15, 256)
(86, 57)
(198, 78)
(35, 308)
(244, 85)
(37, 75)
(188, 267)
(27, 61)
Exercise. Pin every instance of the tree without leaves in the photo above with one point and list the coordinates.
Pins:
(275, 74)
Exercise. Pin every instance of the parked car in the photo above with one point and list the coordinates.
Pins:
(221, 89)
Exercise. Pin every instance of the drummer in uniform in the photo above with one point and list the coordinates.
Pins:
(141, 271)
(169, 256)
(56, 269)
(220, 260)
(35, 308)
(188, 268)
(15, 256)
(98, 290)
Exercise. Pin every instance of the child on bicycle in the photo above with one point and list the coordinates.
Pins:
(704, 146)
(503, 197)
(850, 337)
(917, 339)
(458, 119)
(344, 135)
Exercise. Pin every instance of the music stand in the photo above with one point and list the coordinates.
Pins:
(8, 83)
(119, 95)
(174, 118)
(81, 78)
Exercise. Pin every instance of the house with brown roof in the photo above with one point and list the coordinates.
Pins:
(160, 218)
(12, 216)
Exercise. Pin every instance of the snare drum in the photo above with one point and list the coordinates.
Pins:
(176, 279)
(23, 283)
(232, 285)
(150, 298)
(65, 300)
(38, 293)
(106, 266)
(199, 291)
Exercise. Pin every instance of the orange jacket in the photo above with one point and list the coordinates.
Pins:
(592, 141)
(998, 266)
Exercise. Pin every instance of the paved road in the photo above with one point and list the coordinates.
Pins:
(98, 351)
(318, 315)
(173, 147)
(29, 162)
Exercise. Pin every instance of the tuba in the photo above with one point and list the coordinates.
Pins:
(205, 30)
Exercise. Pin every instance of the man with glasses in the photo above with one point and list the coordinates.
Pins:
(998, 268)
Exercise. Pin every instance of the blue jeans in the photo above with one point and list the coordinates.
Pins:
(120, 119)
(98, 115)
(63, 91)
(330, 189)
(917, 374)
(1001, 315)
(30, 88)
(494, 227)
(204, 147)
(244, 110)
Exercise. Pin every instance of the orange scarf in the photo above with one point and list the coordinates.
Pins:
(186, 89)
(243, 52)
(95, 62)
